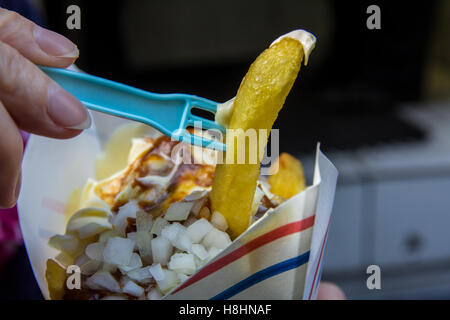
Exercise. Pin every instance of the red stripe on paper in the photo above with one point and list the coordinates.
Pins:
(264, 239)
(318, 264)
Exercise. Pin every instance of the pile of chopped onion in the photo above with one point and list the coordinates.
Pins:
(129, 254)
(151, 261)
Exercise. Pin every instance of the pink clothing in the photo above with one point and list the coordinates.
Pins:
(10, 234)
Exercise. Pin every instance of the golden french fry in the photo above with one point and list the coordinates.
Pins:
(260, 97)
(289, 178)
(56, 277)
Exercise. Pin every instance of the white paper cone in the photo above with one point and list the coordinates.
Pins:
(279, 257)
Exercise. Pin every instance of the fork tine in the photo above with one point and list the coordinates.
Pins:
(203, 142)
(202, 103)
(206, 124)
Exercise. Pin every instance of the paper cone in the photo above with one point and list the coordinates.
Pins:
(278, 257)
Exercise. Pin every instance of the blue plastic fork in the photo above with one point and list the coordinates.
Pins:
(169, 113)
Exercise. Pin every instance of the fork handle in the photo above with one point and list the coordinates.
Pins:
(162, 111)
(169, 113)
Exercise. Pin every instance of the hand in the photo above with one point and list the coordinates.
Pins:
(29, 100)
(329, 291)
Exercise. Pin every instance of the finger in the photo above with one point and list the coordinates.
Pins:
(329, 291)
(35, 102)
(11, 147)
(40, 45)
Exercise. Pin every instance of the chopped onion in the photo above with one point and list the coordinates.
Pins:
(199, 251)
(118, 251)
(141, 275)
(178, 211)
(135, 263)
(182, 242)
(198, 230)
(219, 221)
(81, 259)
(144, 223)
(182, 277)
(66, 243)
(182, 263)
(156, 271)
(169, 281)
(171, 231)
(154, 294)
(89, 267)
(132, 289)
(199, 263)
(159, 224)
(161, 250)
(216, 238)
(265, 187)
(197, 206)
(123, 280)
(259, 194)
(213, 252)
(102, 280)
(133, 237)
(95, 251)
(126, 211)
(108, 267)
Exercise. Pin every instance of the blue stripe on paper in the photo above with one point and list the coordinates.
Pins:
(263, 275)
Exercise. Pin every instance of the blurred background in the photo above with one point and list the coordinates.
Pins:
(377, 100)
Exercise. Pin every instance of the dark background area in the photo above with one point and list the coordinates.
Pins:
(347, 96)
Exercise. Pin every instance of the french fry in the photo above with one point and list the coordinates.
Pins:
(289, 179)
(56, 277)
(260, 97)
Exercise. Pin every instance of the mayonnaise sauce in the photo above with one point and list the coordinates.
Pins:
(308, 41)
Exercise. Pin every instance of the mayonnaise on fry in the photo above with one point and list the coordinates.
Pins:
(308, 41)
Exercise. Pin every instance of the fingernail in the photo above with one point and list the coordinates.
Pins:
(65, 110)
(55, 44)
